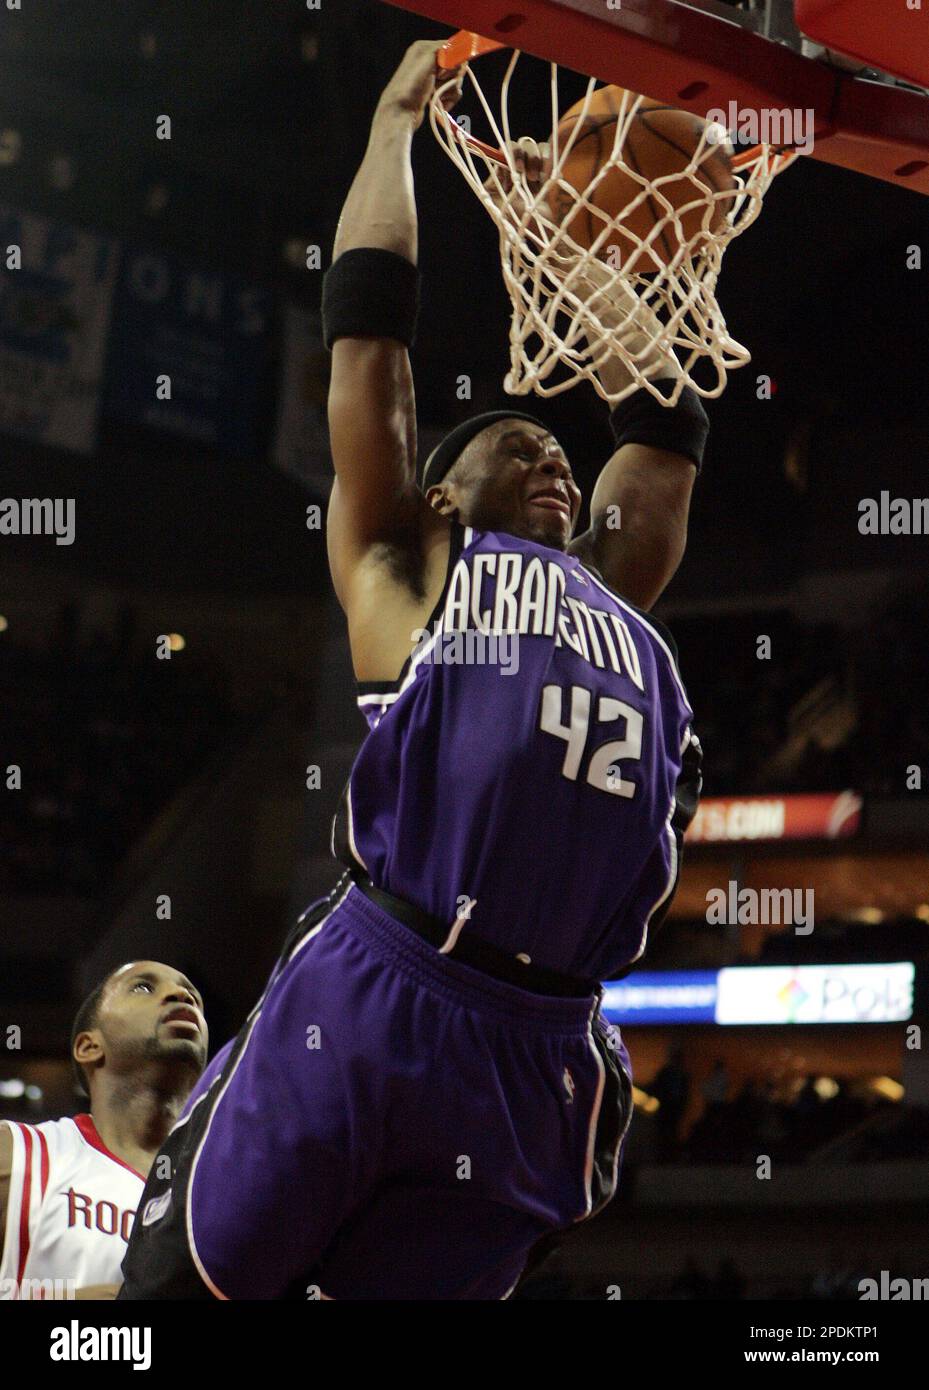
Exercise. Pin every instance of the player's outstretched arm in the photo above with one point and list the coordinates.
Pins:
(372, 415)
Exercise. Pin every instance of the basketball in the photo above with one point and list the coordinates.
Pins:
(660, 142)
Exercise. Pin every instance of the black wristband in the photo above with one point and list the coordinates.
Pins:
(370, 293)
(680, 428)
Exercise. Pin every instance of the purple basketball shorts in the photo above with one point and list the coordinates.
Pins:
(389, 1124)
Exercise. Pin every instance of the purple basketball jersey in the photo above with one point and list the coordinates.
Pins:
(530, 774)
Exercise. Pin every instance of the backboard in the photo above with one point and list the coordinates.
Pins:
(704, 55)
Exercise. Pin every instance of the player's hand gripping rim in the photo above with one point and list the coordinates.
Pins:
(414, 83)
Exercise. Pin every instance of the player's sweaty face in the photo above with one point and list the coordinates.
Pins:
(152, 1011)
(523, 485)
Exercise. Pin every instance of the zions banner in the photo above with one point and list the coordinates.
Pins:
(56, 290)
(189, 351)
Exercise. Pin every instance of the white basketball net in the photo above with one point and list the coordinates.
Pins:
(575, 308)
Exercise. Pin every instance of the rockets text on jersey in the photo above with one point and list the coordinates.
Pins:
(69, 1213)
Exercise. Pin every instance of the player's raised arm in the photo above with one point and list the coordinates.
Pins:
(369, 312)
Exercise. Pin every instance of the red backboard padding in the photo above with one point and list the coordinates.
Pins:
(699, 62)
(885, 34)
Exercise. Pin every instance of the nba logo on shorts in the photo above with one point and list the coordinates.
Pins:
(156, 1208)
(568, 1081)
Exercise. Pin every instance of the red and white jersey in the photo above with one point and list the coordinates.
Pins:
(69, 1212)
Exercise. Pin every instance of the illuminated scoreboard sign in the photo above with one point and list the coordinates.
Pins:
(816, 994)
(734, 819)
(765, 995)
(671, 996)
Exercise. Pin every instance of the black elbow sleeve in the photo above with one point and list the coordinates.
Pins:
(680, 428)
(370, 293)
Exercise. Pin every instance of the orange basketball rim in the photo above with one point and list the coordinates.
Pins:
(464, 46)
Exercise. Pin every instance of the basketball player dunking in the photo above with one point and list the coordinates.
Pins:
(427, 1086)
(69, 1188)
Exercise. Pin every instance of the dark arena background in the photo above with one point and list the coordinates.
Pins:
(177, 713)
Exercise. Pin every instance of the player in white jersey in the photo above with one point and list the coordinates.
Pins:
(69, 1188)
